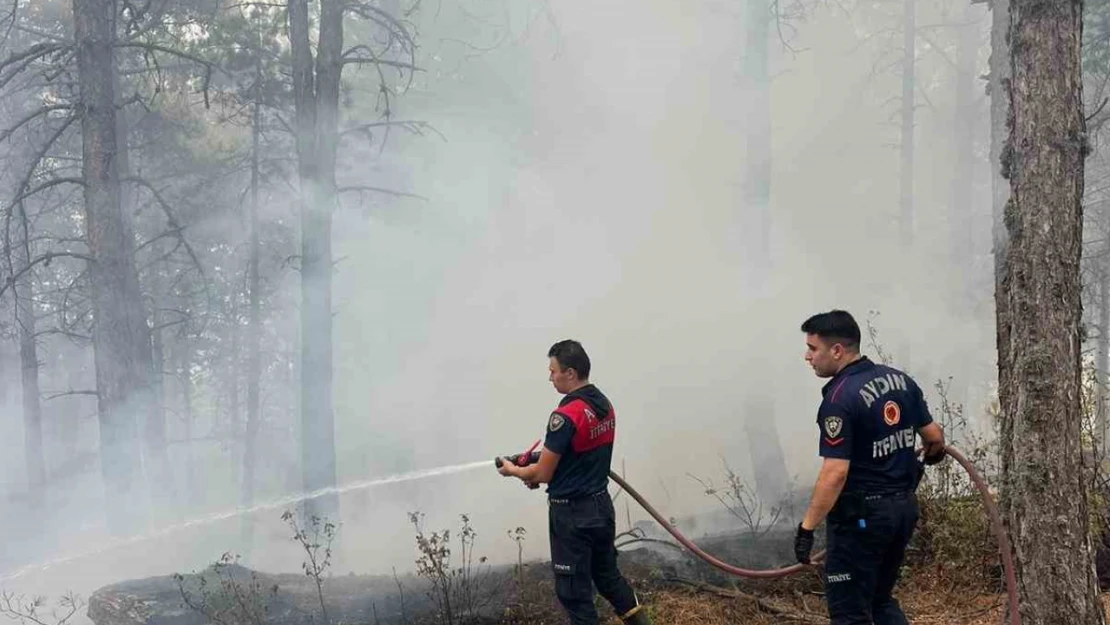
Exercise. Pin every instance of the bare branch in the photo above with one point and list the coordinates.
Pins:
(54, 396)
(175, 225)
(38, 32)
(367, 189)
(347, 60)
(44, 259)
(84, 338)
(784, 613)
(47, 185)
(414, 127)
(33, 53)
(27, 119)
(208, 65)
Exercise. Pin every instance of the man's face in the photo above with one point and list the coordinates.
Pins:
(562, 379)
(825, 357)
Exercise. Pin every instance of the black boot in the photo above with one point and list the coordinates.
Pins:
(636, 616)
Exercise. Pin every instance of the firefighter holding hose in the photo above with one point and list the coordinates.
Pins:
(575, 463)
(869, 418)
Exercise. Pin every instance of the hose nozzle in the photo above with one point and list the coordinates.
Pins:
(520, 460)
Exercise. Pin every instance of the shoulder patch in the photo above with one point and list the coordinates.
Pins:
(833, 426)
(556, 422)
(892, 413)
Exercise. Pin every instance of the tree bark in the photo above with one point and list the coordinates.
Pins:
(254, 329)
(999, 91)
(153, 422)
(317, 139)
(768, 460)
(1040, 315)
(193, 495)
(163, 488)
(120, 334)
(23, 291)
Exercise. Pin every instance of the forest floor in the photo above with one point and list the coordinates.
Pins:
(927, 599)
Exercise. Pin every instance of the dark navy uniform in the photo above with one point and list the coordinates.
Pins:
(870, 415)
(581, 517)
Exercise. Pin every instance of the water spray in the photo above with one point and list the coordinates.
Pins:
(232, 513)
(531, 456)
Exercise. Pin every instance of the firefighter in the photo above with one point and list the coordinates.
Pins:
(869, 419)
(575, 463)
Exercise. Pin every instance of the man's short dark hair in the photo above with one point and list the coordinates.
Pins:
(836, 326)
(570, 355)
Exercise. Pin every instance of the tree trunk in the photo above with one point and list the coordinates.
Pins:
(998, 89)
(23, 291)
(1042, 457)
(317, 138)
(163, 487)
(193, 495)
(153, 422)
(234, 366)
(254, 329)
(909, 65)
(768, 460)
(120, 334)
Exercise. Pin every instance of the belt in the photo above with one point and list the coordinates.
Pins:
(569, 500)
(900, 494)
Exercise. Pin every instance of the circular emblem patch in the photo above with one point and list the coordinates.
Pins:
(556, 422)
(892, 413)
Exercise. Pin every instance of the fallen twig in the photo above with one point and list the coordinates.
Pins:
(786, 613)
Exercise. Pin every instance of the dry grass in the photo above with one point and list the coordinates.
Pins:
(928, 598)
(685, 607)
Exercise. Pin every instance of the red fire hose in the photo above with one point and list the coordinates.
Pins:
(980, 485)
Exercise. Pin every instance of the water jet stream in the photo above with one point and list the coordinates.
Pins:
(230, 514)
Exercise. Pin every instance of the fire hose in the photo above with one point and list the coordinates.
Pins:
(1004, 552)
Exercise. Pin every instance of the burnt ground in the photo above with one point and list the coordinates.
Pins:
(678, 589)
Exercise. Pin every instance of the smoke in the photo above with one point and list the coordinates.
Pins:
(588, 185)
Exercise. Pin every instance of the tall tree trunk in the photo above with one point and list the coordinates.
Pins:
(193, 494)
(162, 484)
(998, 89)
(28, 355)
(768, 460)
(153, 422)
(317, 137)
(120, 334)
(909, 81)
(234, 366)
(1042, 458)
(254, 328)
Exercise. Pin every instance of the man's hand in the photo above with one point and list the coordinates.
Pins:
(803, 544)
(933, 437)
(507, 468)
(531, 485)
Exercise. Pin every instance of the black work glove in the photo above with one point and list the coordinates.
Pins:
(803, 544)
